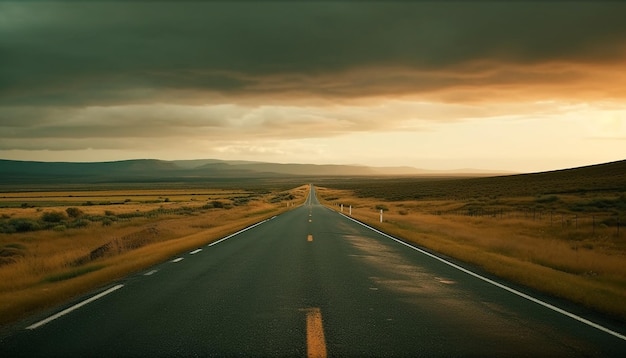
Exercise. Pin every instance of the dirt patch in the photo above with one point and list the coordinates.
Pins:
(117, 246)
(10, 254)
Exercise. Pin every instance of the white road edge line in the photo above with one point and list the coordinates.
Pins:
(238, 232)
(195, 251)
(497, 284)
(150, 273)
(75, 307)
(115, 288)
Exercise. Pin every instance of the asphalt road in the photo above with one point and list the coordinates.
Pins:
(310, 282)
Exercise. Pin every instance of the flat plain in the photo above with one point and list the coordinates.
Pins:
(561, 233)
(57, 244)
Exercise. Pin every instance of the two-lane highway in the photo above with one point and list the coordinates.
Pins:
(308, 282)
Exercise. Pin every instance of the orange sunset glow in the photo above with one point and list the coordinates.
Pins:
(514, 86)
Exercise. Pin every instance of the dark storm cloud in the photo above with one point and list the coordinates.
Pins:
(140, 52)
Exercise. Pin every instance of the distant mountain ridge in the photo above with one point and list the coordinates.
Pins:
(12, 171)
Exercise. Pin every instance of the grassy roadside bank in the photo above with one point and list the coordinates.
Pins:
(45, 266)
(566, 262)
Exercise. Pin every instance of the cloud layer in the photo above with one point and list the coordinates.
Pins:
(119, 52)
(122, 75)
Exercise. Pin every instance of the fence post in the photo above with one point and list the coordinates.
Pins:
(593, 223)
(381, 215)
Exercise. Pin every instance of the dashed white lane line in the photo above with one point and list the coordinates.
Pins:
(75, 307)
(117, 287)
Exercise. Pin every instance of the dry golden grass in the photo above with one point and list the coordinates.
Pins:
(577, 264)
(47, 267)
(100, 200)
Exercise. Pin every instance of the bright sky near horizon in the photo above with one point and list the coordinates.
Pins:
(516, 86)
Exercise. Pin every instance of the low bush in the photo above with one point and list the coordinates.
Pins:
(107, 222)
(242, 200)
(53, 217)
(216, 204)
(22, 225)
(78, 223)
(74, 212)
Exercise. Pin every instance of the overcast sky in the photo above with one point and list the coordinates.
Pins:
(521, 86)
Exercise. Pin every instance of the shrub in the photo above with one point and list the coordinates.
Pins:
(23, 225)
(52, 217)
(130, 215)
(109, 213)
(78, 223)
(282, 197)
(6, 227)
(59, 228)
(382, 207)
(74, 212)
(217, 204)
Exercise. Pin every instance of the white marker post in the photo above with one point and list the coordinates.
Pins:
(350, 210)
(342, 208)
(381, 215)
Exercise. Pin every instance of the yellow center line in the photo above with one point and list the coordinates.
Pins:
(315, 340)
(309, 238)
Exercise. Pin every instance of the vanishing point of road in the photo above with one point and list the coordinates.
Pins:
(312, 282)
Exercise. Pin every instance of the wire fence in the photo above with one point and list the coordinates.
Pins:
(596, 223)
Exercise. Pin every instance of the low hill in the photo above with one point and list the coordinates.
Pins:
(149, 170)
(152, 170)
(609, 177)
